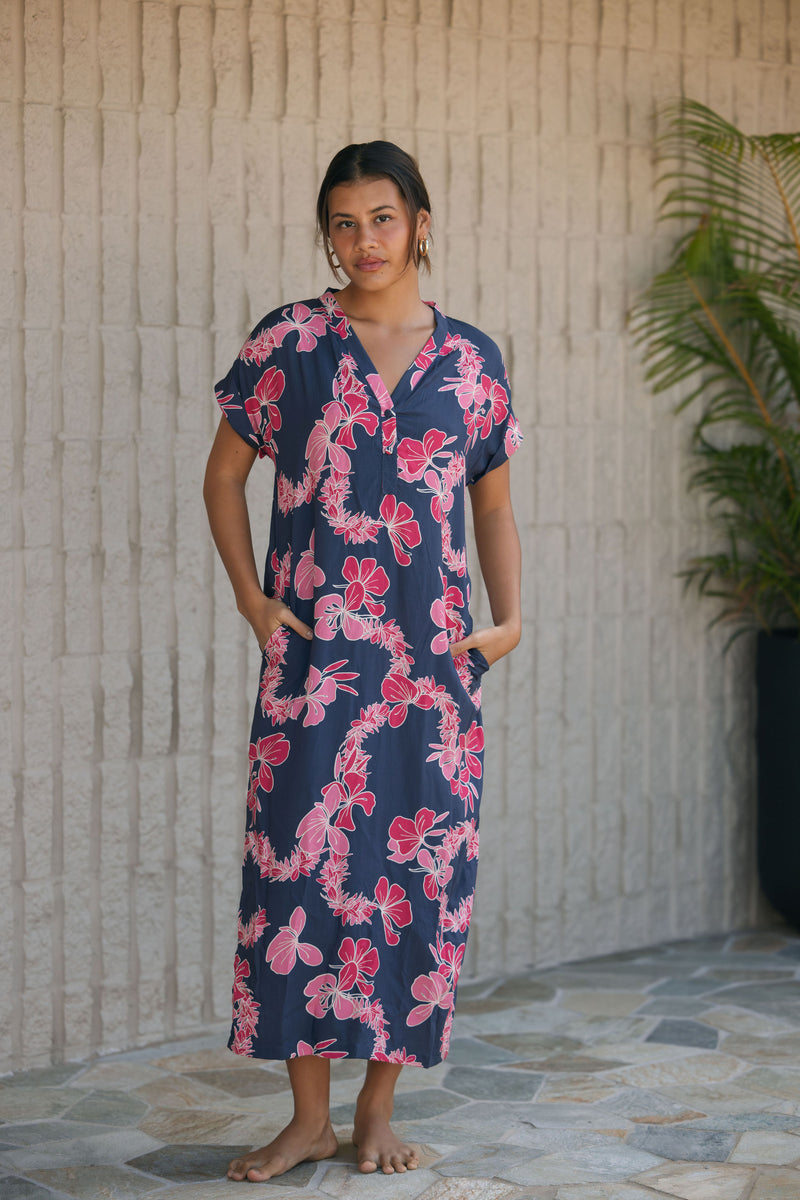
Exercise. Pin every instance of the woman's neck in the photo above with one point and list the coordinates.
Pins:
(398, 307)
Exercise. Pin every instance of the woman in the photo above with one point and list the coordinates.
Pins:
(367, 744)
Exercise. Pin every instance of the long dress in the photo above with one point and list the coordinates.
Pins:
(366, 751)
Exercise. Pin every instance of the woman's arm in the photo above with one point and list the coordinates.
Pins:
(228, 467)
(500, 558)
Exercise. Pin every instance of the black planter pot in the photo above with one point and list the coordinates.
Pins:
(778, 747)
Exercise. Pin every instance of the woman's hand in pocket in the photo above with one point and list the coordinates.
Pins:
(267, 614)
(493, 642)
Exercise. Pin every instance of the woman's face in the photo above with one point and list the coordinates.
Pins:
(370, 231)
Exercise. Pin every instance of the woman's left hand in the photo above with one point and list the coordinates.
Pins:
(493, 642)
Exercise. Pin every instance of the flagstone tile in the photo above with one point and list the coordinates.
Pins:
(245, 1083)
(652, 1108)
(586, 1089)
(470, 1189)
(108, 1108)
(605, 1191)
(590, 1030)
(532, 1045)
(693, 986)
(765, 1051)
(196, 1163)
(764, 997)
(483, 1160)
(573, 1063)
(477, 1052)
(16, 1188)
(485, 1083)
(221, 1189)
(749, 1121)
(604, 1004)
(181, 1091)
(34, 1132)
(677, 1006)
(217, 1058)
(89, 1183)
(772, 1081)
(684, 1145)
(724, 1098)
(112, 1148)
(689, 1181)
(597, 1164)
(596, 1117)
(34, 1104)
(194, 1126)
(776, 1185)
(724, 975)
(117, 1076)
(519, 991)
(685, 1033)
(735, 1020)
(704, 1067)
(408, 1105)
(766, 1147)
(42, 1077)
(352, 1184)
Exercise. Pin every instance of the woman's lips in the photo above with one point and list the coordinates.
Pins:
(370, 264)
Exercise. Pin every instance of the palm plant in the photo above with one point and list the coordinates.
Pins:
(723, 324)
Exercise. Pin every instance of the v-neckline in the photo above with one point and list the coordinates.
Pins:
(372, 373)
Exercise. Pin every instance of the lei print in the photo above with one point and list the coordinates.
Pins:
(377, 866)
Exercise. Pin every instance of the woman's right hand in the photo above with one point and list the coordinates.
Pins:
(266, 614)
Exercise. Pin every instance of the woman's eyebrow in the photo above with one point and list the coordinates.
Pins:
(372, 210)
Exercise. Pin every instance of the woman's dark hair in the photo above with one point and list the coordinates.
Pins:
(374, 160)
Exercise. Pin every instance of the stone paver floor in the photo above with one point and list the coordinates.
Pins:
(671, 1072)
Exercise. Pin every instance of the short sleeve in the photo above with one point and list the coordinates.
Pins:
(497, 434)
(248, 395)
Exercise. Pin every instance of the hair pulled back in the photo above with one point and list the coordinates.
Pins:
(374, 160)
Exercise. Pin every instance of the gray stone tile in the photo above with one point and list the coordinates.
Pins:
(683, 987)
(763, 997)
(34, 1132)
(766, 975)
(476, 1052)
(427, 1102)
(684, 1145)
(523, 990)
(484, 1160)
(108, 1108)
(100, 1148)
(675, 1006)
(483, 1083)
(532, 1045)
(747, 1122)
(648, 1107)
(684, 1033)
(791, 952)
(43, 1076)
(12, 1187)
(583, 1166)
(90, 1183)
(241, 1082)
(194, 1164)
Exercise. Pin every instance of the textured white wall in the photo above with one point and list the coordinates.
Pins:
(167, 157)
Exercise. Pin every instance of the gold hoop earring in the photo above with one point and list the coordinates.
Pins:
(423, 247)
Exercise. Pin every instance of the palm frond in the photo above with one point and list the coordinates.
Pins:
(722, 324)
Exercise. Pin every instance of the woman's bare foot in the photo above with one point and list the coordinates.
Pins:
(298, 1142)
(377, 1146)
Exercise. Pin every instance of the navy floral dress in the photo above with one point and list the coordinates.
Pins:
(366, 751)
